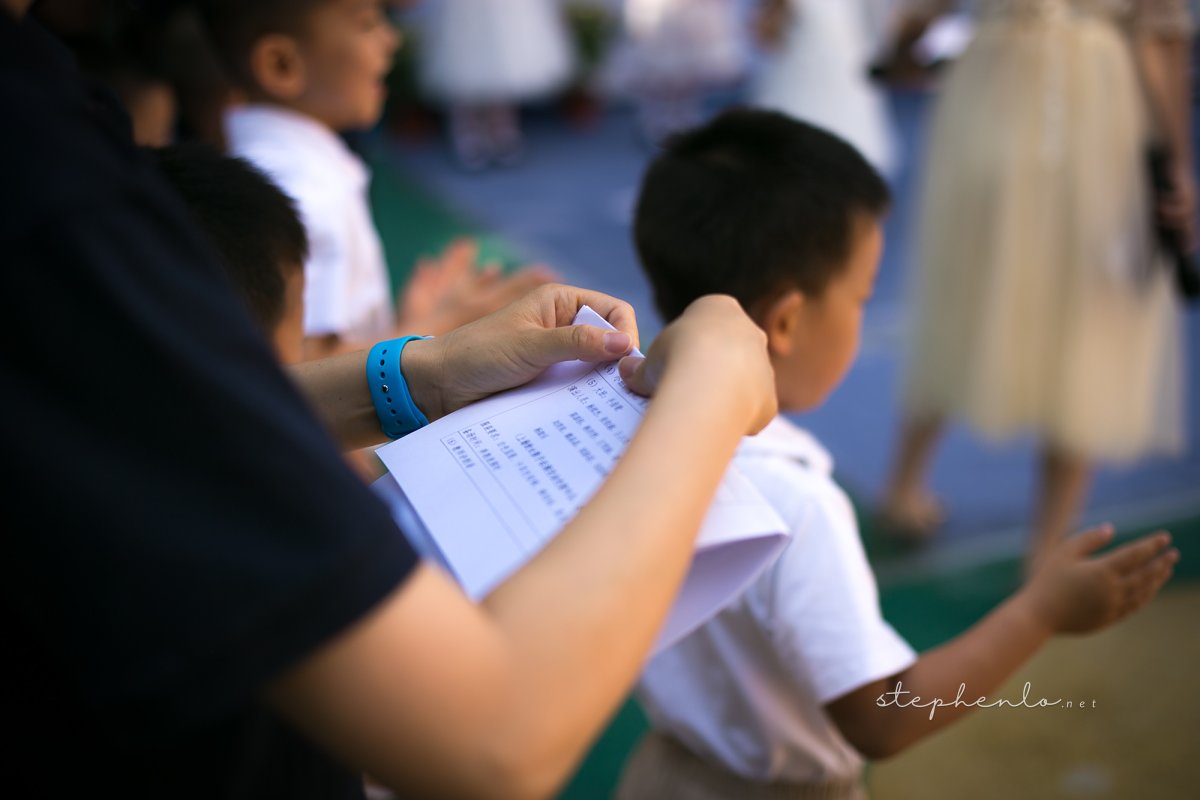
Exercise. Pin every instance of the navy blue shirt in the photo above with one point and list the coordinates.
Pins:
(176, 529)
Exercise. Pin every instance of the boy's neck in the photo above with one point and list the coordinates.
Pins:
(780, 393)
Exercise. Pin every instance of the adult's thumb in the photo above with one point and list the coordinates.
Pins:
(578, 342)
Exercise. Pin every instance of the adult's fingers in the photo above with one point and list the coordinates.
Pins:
(583, 342)
(565, 302)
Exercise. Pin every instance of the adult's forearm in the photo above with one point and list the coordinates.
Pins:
(582, 616)
(337, 389)
(435, 694)
(432, 694)
(336, 386)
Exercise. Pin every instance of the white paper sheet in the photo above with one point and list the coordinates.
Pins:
(483, 489)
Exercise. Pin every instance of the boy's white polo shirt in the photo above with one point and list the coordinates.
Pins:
(746, 689)
(347, 290)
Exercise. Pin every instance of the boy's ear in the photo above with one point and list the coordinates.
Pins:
(277, 66)
(780, 321)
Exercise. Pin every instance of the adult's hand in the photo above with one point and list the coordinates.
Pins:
(525, 678)
(514, 345)
(500, 351)
(713, 340)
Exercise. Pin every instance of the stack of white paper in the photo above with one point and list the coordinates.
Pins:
(483, 489)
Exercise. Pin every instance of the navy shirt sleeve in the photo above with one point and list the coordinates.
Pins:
(177, 527)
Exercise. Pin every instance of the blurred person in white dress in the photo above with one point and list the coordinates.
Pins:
(816, 70)
(482, 59)
(672, 53)
(1042, 303)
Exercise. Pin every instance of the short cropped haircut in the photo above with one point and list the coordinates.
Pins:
(752, 204)
(235, 25)
(250, 221)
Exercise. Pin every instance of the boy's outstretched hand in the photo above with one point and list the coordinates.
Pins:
(1075, 591)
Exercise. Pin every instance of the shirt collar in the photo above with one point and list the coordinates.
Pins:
(784, 438)
(285, 128)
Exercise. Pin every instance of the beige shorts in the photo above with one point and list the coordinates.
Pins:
(663, 769)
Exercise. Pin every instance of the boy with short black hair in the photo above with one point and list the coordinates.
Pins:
(779, 695)
(256, 232)
(312, 70)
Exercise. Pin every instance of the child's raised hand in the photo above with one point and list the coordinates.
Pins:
(452, 290)
(417, 308)
(715, 345)
(1075, 591)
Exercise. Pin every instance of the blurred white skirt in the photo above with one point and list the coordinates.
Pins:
(676, 44)
(819, 75)
(1038, 307)
(482, 51)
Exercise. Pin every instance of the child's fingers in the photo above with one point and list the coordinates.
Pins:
(1144, 584)
(527, 280)
(487, 279)
(423, 271)
(459, 258)
(421, 283)
(543, 273)
(459, 250)
(1140, 592)
(1143, 579)
(1090, 540)
(1130, 557)
(514, 287)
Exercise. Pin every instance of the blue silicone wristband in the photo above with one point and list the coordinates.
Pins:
(398, 414)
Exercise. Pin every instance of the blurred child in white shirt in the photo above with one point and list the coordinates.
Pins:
(312, 69)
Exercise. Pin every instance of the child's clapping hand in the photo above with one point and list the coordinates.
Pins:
(452, 290)
(1074, 591)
